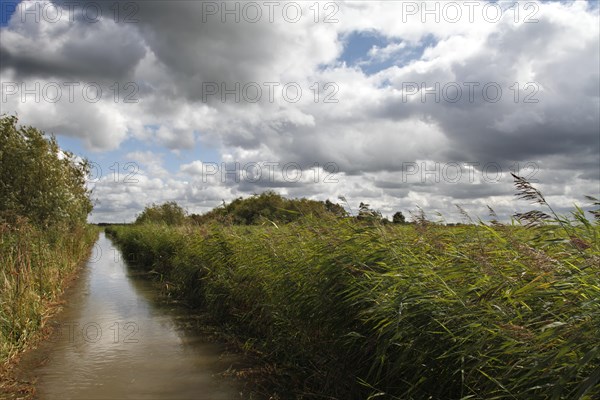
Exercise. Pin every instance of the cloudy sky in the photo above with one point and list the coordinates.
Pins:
(397, 104)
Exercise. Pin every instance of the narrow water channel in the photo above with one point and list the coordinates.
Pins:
(116, 339)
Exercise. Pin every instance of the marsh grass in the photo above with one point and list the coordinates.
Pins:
(422, 311)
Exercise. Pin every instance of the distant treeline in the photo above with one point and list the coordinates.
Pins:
(104, 224)
(268, 207)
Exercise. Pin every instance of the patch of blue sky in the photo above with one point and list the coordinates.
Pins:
(594, 5)
(103, 163)
(372, 52)
(106, 162)
(201, 152)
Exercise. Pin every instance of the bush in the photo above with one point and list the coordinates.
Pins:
(38, 180)
(169, 213)
(268, 207)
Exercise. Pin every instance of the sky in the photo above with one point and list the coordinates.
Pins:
(398, 104)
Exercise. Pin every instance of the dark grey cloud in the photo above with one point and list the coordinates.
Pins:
(71, 50)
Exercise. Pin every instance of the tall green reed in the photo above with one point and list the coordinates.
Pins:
(354, 310)
(33, 268)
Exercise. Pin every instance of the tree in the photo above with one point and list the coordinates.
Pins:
(169, 213)
(366, 213)
(335, 209)
(399, 218)
(40, 181)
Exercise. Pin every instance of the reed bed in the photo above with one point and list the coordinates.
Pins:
(422, 311)
(34, 268)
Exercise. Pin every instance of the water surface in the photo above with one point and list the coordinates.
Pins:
(117, 339)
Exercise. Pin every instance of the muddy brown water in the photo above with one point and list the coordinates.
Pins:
(117, 338)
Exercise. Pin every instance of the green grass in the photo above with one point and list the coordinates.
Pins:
(351, 310)
(34, 268)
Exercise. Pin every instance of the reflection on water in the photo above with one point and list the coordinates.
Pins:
(116, 340)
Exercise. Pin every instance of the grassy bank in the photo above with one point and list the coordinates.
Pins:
(34, 269)
(44, 204)
(399, 311)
